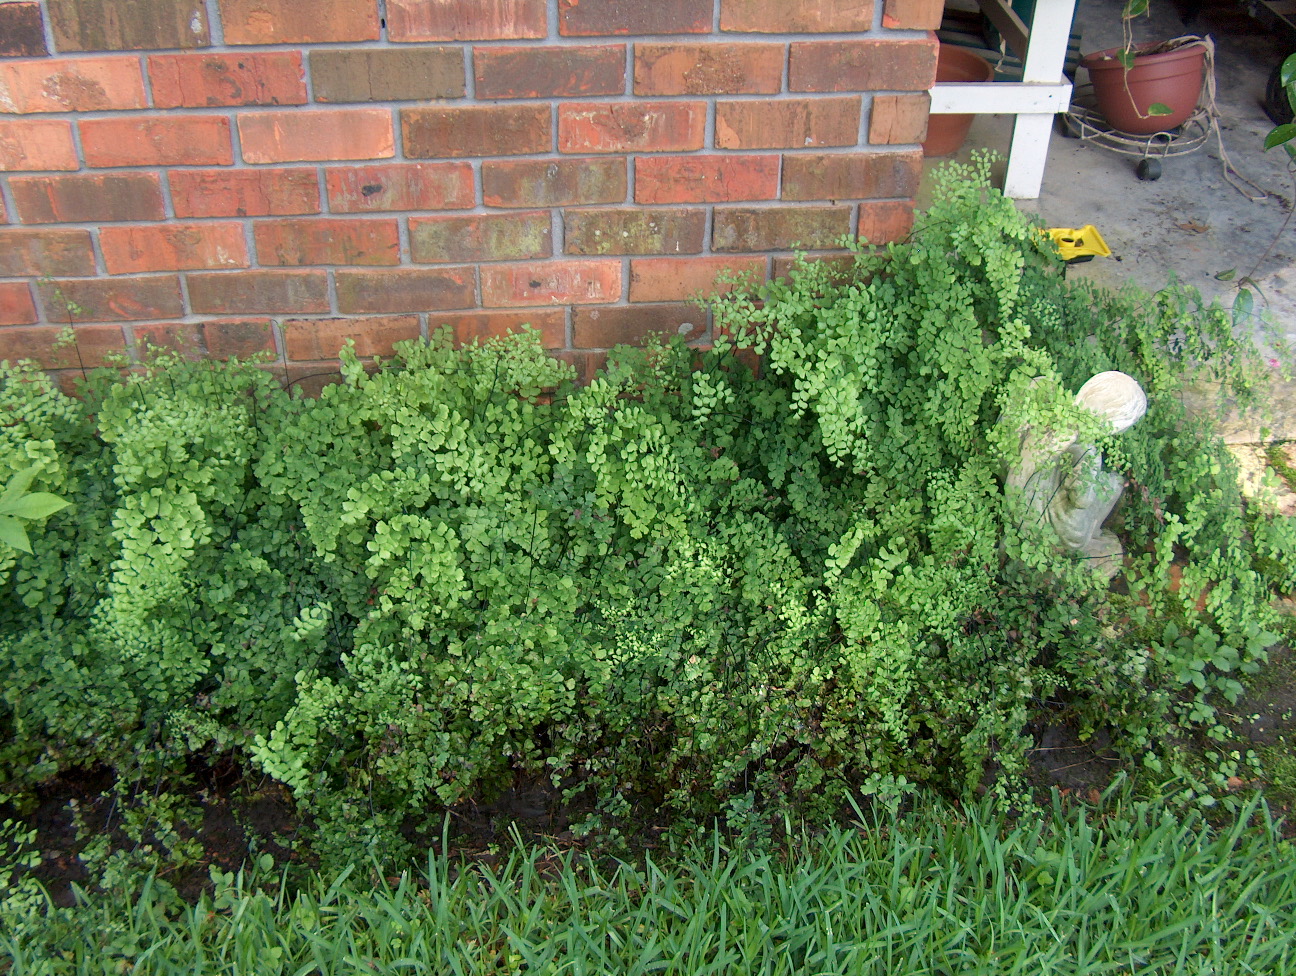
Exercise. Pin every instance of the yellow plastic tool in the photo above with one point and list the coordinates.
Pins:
(1079, 243)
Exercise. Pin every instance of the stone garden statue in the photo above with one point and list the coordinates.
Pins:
(1064, 479)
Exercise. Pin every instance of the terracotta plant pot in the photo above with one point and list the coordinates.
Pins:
(946, 133)
(1173, 78)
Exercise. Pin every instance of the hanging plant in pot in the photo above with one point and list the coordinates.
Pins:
(1146, 88)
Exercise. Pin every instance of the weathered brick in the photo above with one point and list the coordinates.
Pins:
(112, 299)
(706, 179)
(383, 75)
(884, 222)
(585, 18)
(846, 176)
(466, 20)
(244, 193)
(164, 140)
(128, 25)
(794, 123)
(337, 133)
(603, 327)
(401, 186)
(22, 31)
(135, 248)
(248, 78)
(551, 283)
(308, 379)
(37, 144)
(92, 198)
(265, 292)
(683, 279)
(586, 364)
(71, 85)
(91, 346)
(306, 339)
(617, 127)
(491, 237)
(238, 338)
(308, 242)
(405, 290)
(46, 252)
(634, 231)
(476, 130)
(898, 119)
(551, 323)
(553, 183)
(864, 65)
(549, 72)
(182, 339)
(796, 16)
(841, 265)
(708, 68)
(16, 305)
(295, 22)
(913, 14)
(779, 228)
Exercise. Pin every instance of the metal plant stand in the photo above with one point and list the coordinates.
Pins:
(1083, 121)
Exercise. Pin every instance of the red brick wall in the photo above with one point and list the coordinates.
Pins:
(236, 176)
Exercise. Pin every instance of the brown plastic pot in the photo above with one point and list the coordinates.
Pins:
(1173, 78)
(947, 133)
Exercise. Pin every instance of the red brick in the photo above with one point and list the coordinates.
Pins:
(794, 123)
(779, 228)
(346, 241)
(796, 16)
(112, 299)
(128, 25)
(899, 119)
(491, 237)
(840, 265)
(684, 279)
(845, 176)
(181, 339)
(16, 305)
(552, 283)
(244, 193)
(65, 85)
(549, 72)
(617, 127)
(37, 144)
(250, 78)
(46, 252)
(706, 179)
(882, 223)
(476, 130)
(592, 17)
(339, 133)
(22, 31)
(602, 328)
(172, 247)
(405, 290)
(164, 140)
(91, 346)
(585, 364)
(401, 186)
(295, 22)
(307, 379)
(551, 323)
(384, 74)
(634, 231)
(324, 338)
(913, 14)
(466, 20)
(865, 65)
(708, 68)
(238, 338)
(92, 198)
(265, 292)
(553, 182)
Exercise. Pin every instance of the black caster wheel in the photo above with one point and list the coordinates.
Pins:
(1148, 170)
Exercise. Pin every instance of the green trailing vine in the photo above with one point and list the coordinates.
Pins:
(686, 586)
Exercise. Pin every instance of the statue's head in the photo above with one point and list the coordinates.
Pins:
(1114, 396)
